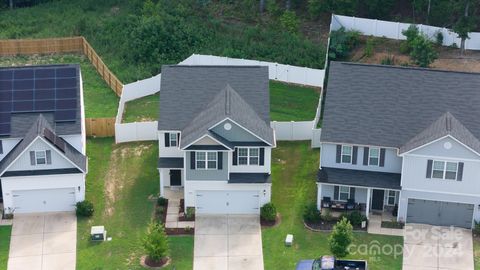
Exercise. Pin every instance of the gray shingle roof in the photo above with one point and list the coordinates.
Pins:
(170, 162)
(38, 129)
(359, 178)
(255, 178)
(186, 90)
(389, 106)
(226, 103)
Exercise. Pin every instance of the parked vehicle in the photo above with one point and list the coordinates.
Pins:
(330, 263)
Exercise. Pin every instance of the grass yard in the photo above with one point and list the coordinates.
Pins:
(100, 100)
(5, 232)
(476, 252)
(120, 181)
(142, 109)
(292, 102)
(294, 168)
(287, 103)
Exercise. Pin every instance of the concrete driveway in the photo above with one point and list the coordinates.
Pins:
(433, 247)
(228, 242)
(43, 241)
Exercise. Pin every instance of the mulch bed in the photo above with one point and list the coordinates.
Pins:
(325, 226)
(149, 264)
(181, 216)
(180, 231)
(392, 225)
(162, 218)
(267, 224)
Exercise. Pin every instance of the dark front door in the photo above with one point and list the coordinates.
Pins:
(377, 199)
(175, 178)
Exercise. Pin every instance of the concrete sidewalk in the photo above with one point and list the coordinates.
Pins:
(228, 242)
(43, 241)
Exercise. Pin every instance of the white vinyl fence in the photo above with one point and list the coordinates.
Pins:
(290, 131)
(393, 30)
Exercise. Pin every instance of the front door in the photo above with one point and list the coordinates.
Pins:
(377, 199)
(175, 177)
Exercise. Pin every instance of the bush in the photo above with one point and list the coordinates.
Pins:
(311, 213)
(340, 238)
(155, 242)
(327, 215)
(355, 218)
(476, 229)
(439, 38)
(423, 53)
(84, 209)
(388, 60)
(289, 21)
(190, 212)
(342, 43)
(268, 212)
(368, 51)
(161, 201)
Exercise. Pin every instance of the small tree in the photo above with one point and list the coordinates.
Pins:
(423, 52)
(340, 238)
(155, 242)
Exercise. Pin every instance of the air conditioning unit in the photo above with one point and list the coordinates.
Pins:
(98, 233)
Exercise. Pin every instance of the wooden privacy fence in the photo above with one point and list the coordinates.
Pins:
(62, 45)
(100, 127)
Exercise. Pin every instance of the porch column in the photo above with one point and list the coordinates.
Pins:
(319, 196)
(367, 210)
(162, 193)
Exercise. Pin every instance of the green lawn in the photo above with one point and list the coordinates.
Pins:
(5, 232)
(476, 252)
(142, 109)
(120, 181)
(294, 168)
(287, 103)
(99, 99)
(292, 102)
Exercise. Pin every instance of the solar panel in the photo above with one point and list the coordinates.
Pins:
(67, 93)
(65, 116)
(6, 85)
(44, 105)
(65, 104)
(23, 106)
(60, 143)
(6, 96)
(54, 139)
(66, 72)
(45, 84)
(66, 83)
(6, 74)
(5, 129)
(22, 73)
(45, 94)
(45, 73)
(4, 117)
(23, 95)
(22, 84)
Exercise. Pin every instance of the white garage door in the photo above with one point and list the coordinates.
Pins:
(227, 202)
(44, 200)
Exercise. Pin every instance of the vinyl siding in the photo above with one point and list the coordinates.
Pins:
(167, 151)
(252, 168)
(8, 145)
(235, 134)
(437, 148)
(212, 175)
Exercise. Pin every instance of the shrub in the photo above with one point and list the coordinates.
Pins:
(289, 21)
(155, 242)
(388, 60)
(355, 218)
(84, 209)
(476, 229)
(190, 212)
(327, 215)
(268, 212)
(342, 42)
(423, 53)
(411, 34)
(316, 7)
(161, 201)
(368, 51)
(439, 38)
(311, 213)
(340, 238)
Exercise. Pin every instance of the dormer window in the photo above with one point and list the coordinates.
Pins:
(40, 157)
(346, 154)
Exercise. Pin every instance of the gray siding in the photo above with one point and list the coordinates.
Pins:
(360, 193)
(438, 149)
(393, 163)
(235, 134)
(208, 175)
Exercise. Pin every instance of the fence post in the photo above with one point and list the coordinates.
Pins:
(291, 130)
(376, 26)
(398, 30)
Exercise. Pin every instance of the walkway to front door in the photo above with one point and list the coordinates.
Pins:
(230, 242)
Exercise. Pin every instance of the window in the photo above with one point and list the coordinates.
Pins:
(40, 157)
(373, 156)
(392, 194)
(343, 193)
(206, 160)
(173, 139)
(444, 170)
(346, 154)
(248, 156)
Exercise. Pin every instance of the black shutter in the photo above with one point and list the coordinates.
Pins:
(339, 153)
(382, 157)
(460, 171)
(167, 139)
(48, 154)
(192, 160)
(235, 154)
(352, 193)
(429, 168)
(178, 139)
(262, 156)
(32, 157)
(336, 190)
(1, 147)
(354, 155)
(220, 160)
(366, 151)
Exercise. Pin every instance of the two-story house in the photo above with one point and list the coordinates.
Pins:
(42, 138)
(400, 137)
(215, 138)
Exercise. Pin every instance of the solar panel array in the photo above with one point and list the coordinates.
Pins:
(38, 89)
(54, 139)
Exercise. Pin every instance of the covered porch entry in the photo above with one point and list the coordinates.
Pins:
(366, 191)
(171, 173)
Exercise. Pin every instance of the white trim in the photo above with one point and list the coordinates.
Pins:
(395, 196)
(36, 157)
(378, 157)
(176, 135)
(365, 187)
(339, 192)
(442, 192)
(444, 170)
(444, 158)
(248, 156)
(206, 135)
(60, 153)
(439, 139)
(351, 154)
(358, 144)
(206, 160)
(258, 137)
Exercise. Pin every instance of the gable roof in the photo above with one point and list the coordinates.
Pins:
(226, 104)
(388, 106)
(41, 128)
(447, 124)
(27, 91)
(187, 90)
